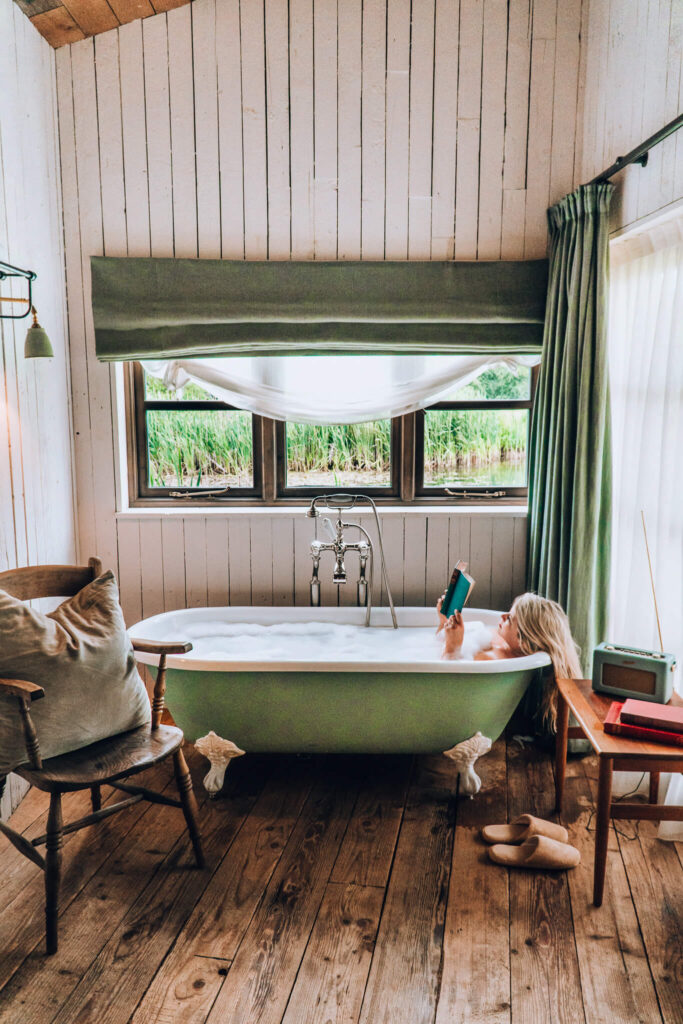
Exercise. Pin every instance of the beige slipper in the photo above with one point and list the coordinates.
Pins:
(523, 828)
(537, 852)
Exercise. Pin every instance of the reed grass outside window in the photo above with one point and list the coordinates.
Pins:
(470, 448)
(476, 441)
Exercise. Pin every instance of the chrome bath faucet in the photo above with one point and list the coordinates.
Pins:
(339, 546)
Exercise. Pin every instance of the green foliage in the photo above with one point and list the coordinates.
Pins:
(360, 446)
(498, 383)
(457, 441)
(187, 447)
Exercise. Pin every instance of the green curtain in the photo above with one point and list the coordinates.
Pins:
(570, 451)
(153, 308)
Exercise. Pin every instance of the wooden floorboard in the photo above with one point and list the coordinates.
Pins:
(544, 970)
(345, 890)
(615, 976)
(656, 885)
(475, 976)
(404, 976)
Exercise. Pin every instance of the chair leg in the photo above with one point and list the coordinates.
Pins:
(53, 870)
(96, 797)
(187, 799)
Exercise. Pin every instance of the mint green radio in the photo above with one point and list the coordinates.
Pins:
(629, 672)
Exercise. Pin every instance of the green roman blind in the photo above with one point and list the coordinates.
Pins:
(152, 308)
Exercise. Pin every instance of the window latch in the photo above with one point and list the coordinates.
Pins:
(475, 494)
(199, 493)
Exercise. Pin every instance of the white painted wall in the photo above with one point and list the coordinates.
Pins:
(633, 68)
(198, 559)
(37, 519)
(302, 130)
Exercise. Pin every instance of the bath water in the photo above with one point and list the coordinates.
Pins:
(325, 642)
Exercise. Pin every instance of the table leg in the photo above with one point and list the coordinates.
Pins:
(561, 749)
(602, 828)
(654, 787)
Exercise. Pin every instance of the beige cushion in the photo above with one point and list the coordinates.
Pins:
(82, 656)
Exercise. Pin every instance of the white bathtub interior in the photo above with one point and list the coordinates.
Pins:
(331, 639)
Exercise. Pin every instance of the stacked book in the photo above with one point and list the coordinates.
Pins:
(645, 720)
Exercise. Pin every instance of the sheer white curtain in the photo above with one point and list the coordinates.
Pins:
(329, 389)
(646, 375)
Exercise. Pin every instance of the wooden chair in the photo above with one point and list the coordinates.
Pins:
(104, 763)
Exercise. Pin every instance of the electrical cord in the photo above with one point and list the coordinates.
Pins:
(624, 796)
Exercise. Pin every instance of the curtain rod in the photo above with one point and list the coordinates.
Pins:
(640, 153)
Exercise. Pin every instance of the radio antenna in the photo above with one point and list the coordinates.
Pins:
(652, 583)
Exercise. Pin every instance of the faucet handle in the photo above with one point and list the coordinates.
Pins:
(331, 532)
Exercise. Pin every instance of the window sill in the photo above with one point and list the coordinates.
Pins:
(512, 511)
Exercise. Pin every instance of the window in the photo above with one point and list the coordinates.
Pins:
(357, 456)
(191, 442)
(471, 445)
(476, 440)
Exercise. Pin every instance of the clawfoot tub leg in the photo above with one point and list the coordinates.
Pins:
(220, 753)
(463, 755)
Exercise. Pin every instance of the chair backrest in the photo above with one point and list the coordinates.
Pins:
(35, 581)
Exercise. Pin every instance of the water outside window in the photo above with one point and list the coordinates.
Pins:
(476, 448)
(480, 447)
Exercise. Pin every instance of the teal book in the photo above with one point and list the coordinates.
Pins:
(459, 589)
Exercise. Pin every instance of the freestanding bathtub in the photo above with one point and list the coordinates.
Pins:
(317, 680)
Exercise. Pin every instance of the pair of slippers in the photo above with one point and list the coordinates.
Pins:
(531, 842)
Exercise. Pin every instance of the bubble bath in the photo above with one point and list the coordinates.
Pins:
(282, 641)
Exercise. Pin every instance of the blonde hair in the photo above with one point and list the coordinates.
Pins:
(542, 625)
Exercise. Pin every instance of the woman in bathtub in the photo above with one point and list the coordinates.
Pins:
(533, 624)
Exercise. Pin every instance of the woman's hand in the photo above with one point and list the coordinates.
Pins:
(454, 635)
(442, 618)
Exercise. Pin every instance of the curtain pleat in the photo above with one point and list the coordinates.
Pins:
(570, 457)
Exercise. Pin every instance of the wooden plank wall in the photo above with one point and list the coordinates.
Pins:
(37, 519)
(633, 85)
(370, 129)
(195, 559)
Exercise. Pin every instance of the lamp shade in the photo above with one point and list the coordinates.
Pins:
(37, 344)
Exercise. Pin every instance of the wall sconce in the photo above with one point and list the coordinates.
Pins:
(37, 343)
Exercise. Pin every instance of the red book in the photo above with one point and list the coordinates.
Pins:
(614, 725)
(652, 716)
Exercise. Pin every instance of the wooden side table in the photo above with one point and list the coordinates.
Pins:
(615, 753)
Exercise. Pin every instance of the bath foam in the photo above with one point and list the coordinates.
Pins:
(323, 641)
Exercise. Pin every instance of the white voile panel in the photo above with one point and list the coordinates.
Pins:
(329, 389)
(646, 375)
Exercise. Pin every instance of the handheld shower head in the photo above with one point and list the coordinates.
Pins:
(331, 501)
(340, 500)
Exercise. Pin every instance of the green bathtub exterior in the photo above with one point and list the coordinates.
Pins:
(344, 712)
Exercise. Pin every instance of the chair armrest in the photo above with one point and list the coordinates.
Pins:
(21, 688)
(25, 692)
(162, 646)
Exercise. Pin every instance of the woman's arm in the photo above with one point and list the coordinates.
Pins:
(454, 634)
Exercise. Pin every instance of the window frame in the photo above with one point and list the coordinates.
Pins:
(478, 491)
(143, 405)
(269, 455)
